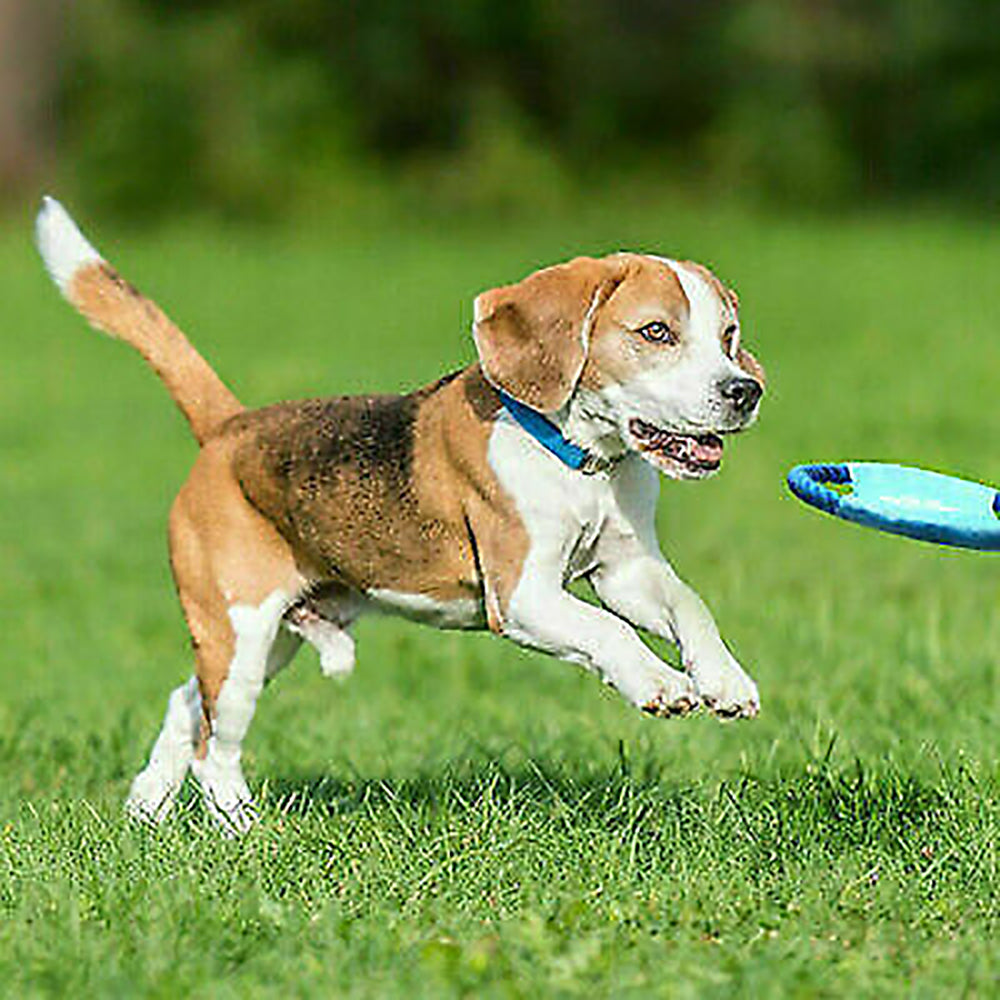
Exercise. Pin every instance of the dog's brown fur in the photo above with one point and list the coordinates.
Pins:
(350, 493)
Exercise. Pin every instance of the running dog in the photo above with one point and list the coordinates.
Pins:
(468, 504)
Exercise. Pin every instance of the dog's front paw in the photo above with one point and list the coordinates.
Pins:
(724, 687)
(671, 693)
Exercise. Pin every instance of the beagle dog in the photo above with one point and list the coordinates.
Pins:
(468, 504)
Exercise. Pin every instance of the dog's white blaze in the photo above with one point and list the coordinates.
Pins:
(63, 247)
(682, 394)
(220, 775)
(707, 314)
(461, 613)
(155, 788)
(705, 305)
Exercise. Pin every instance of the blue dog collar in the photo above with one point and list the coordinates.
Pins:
(551, 439)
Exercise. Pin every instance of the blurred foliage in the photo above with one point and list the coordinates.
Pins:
(257, 106)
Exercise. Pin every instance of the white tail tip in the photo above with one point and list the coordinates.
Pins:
(63, 247)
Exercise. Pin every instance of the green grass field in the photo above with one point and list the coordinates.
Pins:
(461, 817)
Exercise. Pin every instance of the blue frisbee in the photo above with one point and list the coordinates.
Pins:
(904, 501)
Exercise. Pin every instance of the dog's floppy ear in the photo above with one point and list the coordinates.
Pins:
(533, 337)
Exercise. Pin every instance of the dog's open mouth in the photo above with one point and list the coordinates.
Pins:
(689, 456)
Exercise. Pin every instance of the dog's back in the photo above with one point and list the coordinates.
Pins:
(362, 487)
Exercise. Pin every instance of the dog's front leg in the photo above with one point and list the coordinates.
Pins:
(643, 588)
(543, 616)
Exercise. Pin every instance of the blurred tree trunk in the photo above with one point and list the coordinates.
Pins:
(29, 35)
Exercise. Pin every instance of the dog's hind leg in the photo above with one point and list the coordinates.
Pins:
(230, 706)
(155, 787)
(236, 577)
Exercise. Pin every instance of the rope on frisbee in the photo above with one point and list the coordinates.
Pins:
(809, 483)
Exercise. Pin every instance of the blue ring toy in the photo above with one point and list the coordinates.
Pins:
(903, 500)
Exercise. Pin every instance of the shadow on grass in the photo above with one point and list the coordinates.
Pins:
(837, 808)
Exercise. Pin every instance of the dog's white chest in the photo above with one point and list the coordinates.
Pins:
(563, 510)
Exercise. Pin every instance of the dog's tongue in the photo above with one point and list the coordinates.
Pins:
(706, 448)
(702, 449)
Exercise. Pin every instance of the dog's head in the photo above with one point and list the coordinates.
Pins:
(639, 349)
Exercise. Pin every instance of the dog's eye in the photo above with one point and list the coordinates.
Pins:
(731, 340)
(657, 332)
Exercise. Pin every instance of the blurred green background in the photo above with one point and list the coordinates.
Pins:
(267, 108)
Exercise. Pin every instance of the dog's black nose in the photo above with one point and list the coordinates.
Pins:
(743, 393)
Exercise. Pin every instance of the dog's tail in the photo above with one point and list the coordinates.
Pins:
(116, 308)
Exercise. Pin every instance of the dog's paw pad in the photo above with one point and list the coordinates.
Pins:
(730, 711)
(664, 708)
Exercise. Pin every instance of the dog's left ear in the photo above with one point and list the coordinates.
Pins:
(533, 337)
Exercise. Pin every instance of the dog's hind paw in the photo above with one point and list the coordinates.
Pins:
(226, 796)
(152, 796)
(234, 818)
